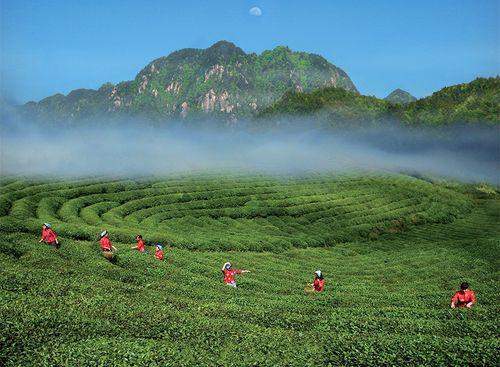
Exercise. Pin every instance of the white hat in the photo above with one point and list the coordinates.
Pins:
(318, 272)
(104, 233)
(227, 265)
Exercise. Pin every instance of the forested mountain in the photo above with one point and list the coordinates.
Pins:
(221, 81)
(224, 83)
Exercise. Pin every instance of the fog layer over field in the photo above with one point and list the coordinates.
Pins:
(468, 153)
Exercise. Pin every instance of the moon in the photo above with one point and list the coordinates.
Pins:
(255, 11)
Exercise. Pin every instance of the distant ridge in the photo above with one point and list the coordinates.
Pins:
(400, 96)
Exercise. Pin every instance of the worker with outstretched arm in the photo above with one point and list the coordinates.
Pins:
(229, 273)
(140, 244)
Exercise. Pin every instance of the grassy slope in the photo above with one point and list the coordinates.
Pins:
(386, 300)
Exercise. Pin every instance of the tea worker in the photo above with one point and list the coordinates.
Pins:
(106, 245)
(319, 281)
(159, 252)
(49, 236)
(140, 244)
(229, 274)
(464, 297)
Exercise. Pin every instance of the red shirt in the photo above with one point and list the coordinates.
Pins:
(463, 298)
(159, 254)
(105, 244)
(140, 245)
(48, 235)
(229, 275)
(319, 284)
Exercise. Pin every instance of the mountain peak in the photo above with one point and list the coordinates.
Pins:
(223, 45)
(400, 96)
(222, 50)
(221, 80)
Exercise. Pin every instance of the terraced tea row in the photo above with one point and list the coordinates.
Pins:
(246, 212)
(243, 212)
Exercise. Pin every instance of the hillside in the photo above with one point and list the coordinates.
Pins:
(399, 96)
(331, 105)
(477, 101)
(221, 81)
(393, 249)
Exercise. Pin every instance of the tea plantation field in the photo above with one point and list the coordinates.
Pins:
(393, 249)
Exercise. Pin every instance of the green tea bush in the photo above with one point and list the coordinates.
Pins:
(392, 248)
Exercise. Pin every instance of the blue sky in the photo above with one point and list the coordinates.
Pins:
(420, 46)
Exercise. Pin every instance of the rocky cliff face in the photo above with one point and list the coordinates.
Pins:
(221, 81)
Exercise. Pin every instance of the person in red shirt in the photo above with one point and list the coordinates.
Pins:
(49, 236)
(159, 252)
(319, 282)
(464, 297)
(140, 244)
(106, 245)
(229, 274)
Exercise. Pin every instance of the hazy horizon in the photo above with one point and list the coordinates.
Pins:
(467, 153)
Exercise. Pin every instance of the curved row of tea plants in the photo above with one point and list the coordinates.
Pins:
(240, 212)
